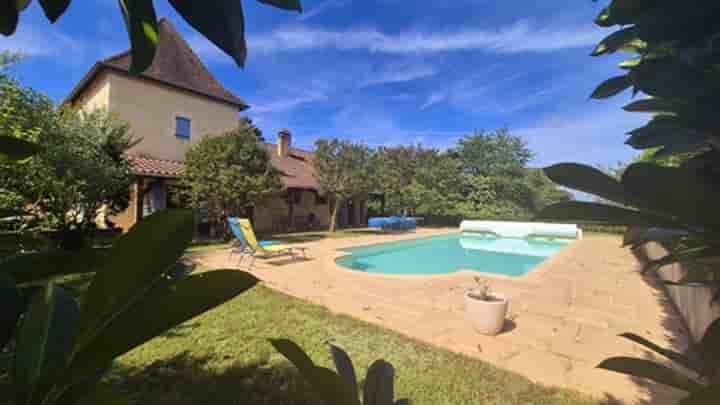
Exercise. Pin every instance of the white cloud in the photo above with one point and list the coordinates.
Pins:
(395, 73)
(321, 8)
(433, 99)
(515, 38)
(34, 41)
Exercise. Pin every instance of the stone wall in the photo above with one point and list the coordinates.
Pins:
(694, 303)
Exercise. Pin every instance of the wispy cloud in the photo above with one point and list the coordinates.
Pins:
(35, 41)
(519, 37)
(398, 73)
(433, 99)
(321, 8)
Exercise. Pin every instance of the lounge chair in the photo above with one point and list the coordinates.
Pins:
(239, 245)
(255, 249)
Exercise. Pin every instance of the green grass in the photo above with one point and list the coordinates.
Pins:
(223, 357)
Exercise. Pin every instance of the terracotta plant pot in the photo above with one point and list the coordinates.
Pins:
(488, 317)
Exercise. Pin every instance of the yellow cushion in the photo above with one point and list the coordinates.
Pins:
(276, 248)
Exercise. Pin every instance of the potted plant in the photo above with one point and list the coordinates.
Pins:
(485, 309)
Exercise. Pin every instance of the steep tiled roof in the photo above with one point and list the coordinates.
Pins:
(175, 64)
(147, 166)
(297, 167)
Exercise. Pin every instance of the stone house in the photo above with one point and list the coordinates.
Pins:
(170, 107)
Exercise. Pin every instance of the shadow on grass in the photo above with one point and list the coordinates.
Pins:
(187, 379)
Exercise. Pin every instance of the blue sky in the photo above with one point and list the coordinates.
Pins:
(384, 71)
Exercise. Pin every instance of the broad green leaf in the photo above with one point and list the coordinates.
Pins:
(403, 401)
(293, 5)
(328, 384)
(623, 12)
(106, 396)
(706, 396)
(678, 358)
(665, 130)
(9, 16)
(615, 41)
(220, 21)
(345, 368)
(603, 19)
(672, 79)
(54, 8)
(653, 105)
(11, 305)
(12, 148)
(630, 63)
(155, 313)
(612, 86)
(141, 23)
(651, 371)
(22, 4)
(681, 193)
(135, 262)
(44, 342)
(40, 266)
(709, 349)
(379, 384)
(588, 212)
(587, 179)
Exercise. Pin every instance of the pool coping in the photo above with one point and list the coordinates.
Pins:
(532, 276)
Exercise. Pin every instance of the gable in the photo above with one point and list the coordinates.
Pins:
(175, 65)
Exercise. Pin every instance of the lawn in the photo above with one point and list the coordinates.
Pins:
(223, 357)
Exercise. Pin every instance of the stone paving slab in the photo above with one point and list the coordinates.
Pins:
(565, 314)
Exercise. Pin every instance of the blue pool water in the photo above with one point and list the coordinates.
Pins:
(450, 253)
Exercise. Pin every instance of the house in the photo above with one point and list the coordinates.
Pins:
(170, 107)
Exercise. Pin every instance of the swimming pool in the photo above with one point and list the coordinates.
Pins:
(450, 253)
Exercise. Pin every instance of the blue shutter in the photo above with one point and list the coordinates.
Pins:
(182, 127)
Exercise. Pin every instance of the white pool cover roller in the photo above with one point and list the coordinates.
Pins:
(522, 229)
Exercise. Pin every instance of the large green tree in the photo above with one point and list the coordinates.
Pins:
(79, 170)
(344, 170)
(229, 174)
(490, 153)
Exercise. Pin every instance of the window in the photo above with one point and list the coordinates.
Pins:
(182, 127)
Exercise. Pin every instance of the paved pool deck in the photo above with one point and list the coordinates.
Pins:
(565, 315)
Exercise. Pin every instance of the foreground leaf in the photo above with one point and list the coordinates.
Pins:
(588, 212)
(709, 349)
(678, 358)
(134, 263)
(54, 8)
(41, 266)
(11, 305)
(44, 342)
(706, 396)
(611, 87)
(587, 179)
(615, 41)
(651, 371)
(328, 384)
(379, 384)
(293, 5)
(157, 312)
(106, 396)
(345, 368)
(141, 23)
(220, 21)
(9, 16)
(12, 148)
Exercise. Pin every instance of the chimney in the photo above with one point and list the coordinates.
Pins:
(284, 142)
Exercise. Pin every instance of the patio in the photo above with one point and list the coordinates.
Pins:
(565, 315)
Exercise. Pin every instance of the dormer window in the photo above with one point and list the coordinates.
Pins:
(182, 127)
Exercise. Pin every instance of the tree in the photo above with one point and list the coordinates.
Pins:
(675, 66)
(79, 170)
(344, 170)
(492, 153)
(231, 173)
